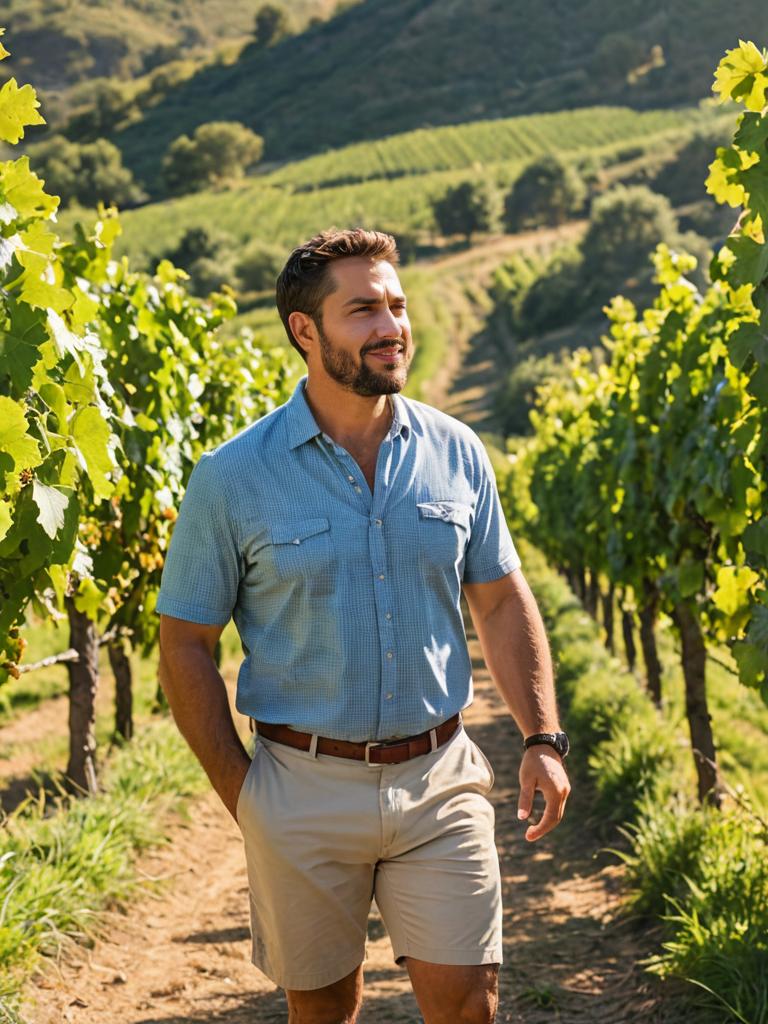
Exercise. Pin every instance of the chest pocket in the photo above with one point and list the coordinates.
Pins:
(444, 528)
(302, 548)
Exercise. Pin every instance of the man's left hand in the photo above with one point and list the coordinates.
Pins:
(542, 768)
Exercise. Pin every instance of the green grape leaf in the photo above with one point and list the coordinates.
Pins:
(58, 575)
(20, 343)
(14, 436)
(5, 518)
(755, 539)
(52, 505)
(752, 134)
(91, 435)
(751, 263)
(690, 577)
(747, 340)
(18, 110)
(89, 599)
(24, 190)
(752, 662)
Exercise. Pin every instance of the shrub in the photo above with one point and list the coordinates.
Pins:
(216, 151)
(258, 267)
(548, 192)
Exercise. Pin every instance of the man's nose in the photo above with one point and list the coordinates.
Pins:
(388, 325)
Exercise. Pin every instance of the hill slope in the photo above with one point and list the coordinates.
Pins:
(378, 69)
(63, 42)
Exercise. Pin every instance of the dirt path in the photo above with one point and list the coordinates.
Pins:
(465, 383)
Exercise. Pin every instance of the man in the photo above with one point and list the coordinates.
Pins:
(338, 531)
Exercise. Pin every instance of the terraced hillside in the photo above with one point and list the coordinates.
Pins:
(394, 180)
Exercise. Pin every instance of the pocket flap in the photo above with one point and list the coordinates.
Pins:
(449, 511)
(297, 531)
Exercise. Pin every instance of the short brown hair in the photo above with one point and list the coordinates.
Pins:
(305, 281)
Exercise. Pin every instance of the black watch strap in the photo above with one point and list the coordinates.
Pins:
(557, 740)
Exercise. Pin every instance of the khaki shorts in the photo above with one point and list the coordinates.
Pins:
(325, 835)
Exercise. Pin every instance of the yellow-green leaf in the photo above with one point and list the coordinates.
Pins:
(14, 435)
(733, 587)
(89, 599)
(5, 516)
(91, 434)
(18, 110)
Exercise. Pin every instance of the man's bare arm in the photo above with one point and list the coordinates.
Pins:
(197, 696)
(515, 647)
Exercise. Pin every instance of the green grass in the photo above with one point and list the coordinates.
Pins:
(704, 873)
(64, 860)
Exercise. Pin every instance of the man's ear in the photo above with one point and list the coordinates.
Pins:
(304, 330)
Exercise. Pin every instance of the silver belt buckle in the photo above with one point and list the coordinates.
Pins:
(368, 745)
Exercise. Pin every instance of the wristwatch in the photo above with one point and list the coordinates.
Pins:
(557, 740)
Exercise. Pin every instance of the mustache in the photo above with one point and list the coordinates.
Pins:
(382, 345)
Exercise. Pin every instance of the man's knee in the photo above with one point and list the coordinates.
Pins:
(338, 1003)
(479, 1006)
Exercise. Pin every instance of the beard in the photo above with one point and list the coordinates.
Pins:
(359, 377)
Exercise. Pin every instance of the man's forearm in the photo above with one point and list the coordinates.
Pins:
(197, 697)
(516, 651)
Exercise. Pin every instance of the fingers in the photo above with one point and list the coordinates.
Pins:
(546, 774)
(525, 802)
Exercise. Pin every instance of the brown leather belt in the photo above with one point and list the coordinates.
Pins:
(373, 752)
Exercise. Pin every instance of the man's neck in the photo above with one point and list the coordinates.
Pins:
(355, 422)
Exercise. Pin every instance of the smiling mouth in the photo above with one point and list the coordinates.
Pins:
(386, 353)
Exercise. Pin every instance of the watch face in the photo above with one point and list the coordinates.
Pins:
(562, 746)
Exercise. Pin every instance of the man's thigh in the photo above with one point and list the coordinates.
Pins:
(438, 885)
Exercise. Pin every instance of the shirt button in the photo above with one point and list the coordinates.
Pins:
(389, 696)
(377, 522)
(296, 540)
(388, 615)
(381, 575)
(390, 655)
(359, 490)
(351, 479)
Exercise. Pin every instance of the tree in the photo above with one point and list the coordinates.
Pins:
(271, 25)
(87, 173)
(258, 267)
(100, 105)
(216, 151)
(206, 256)
(625, 227)
(547, 192)
(467, 208)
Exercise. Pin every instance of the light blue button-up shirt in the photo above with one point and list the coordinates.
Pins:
(346, 602)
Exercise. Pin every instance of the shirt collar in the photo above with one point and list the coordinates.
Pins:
(302, 425)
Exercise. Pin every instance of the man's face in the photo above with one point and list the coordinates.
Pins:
(365, 335)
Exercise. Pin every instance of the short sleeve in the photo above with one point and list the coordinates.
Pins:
(201, 573)
(490, 553)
